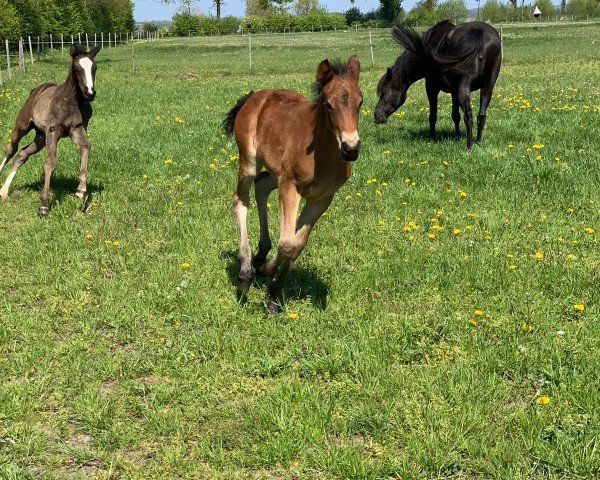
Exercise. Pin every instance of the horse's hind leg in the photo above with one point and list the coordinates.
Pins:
(241, 199)
(38, 143)
(432, 96)
(456, 114)
(18, 133)
(484, 101)
(464, 99)
(264, 184)
(52, 138)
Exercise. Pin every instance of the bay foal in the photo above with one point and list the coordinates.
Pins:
(306, 148)
(55, 112)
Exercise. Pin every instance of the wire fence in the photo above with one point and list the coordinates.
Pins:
(15, 56)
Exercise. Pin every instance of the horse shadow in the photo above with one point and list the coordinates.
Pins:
(301, 283)
(441, 135)
(62, 186)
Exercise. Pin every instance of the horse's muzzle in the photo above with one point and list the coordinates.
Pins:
(350, 153)
(380, 118)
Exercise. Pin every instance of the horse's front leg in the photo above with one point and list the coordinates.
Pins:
(52, 137)
(432, 96)
(79, 137)
(311, 212)
(464, 99)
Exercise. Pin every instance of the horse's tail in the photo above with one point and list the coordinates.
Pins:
(409, 39)
(461, 55)
(229, 119)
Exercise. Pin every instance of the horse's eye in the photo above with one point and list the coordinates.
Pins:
(327, 105)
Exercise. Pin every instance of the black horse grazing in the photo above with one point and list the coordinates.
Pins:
(454, 59)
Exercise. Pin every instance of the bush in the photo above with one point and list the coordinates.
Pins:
(495, 12)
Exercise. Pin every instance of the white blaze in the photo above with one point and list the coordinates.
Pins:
(86, 64)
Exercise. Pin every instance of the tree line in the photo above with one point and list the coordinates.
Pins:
(67, 17)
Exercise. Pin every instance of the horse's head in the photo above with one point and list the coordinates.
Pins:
(392, 95)
(340, 96)
(84, 70)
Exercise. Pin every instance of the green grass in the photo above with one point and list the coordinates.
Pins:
(117, 362)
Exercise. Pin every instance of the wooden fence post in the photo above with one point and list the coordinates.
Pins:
(109, 39)
(62, 43)
(8, 60)
(21, 56)
(79, 37)
(102, 38)
(371, 45)
(250, 49)
(30, 49)
(87, 42)
(95, 40)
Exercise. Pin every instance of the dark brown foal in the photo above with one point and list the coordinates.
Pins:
(306, 148)
(55, 112)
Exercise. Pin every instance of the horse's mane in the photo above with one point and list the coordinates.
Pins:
(338, 67)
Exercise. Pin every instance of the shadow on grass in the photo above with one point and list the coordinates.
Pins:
(443, 135)
(61, 186)
(301, 283)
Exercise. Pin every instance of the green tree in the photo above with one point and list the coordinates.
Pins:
(390, 10)
(454, 10)
(303, 7)
(582, 8)
(494, 11)
(259, 8)
(9, 21)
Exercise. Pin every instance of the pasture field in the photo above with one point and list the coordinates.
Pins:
(443, 321)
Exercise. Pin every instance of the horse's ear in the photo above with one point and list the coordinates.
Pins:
(324, 73)
(353, 67)
(94, 51)
(388, 74)
(76, 50)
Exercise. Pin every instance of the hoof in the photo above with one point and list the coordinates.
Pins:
(273, 307)
(80, 193)
(243, 285)
(43, 211)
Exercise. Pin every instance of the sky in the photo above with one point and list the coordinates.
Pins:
(147, 10)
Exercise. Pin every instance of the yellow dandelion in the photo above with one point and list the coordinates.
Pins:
(543, 400)
(348, 197)
(431, 236)
(509, 255)
(145, 177)
(571, 257)
(178, 120)
(387, 152)
(589, 230)
(293, 316)
(269, 205)
(88, 236)
(116, 243)
(168, 161)
(462, 194)
(381, 222)
(538, 157)
(179, 204)
(377, 192)
(456, 231)
(185, 265)
(526, 328)
(579, 307)
(473, 322)
(478, 313)
(212, 165)
(510, 145)
(538, 255)
(512, 267)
